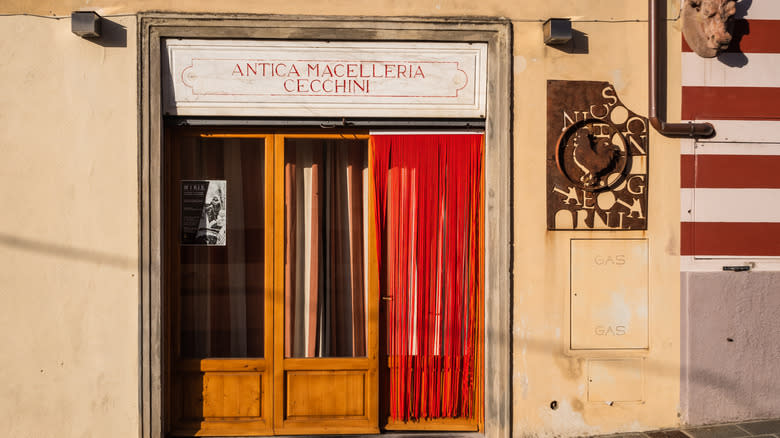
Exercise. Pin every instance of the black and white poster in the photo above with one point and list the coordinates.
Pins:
(204, 212)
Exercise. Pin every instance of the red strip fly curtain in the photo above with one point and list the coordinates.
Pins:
(428, 191)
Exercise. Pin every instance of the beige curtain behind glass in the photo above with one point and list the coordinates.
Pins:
(325, 228)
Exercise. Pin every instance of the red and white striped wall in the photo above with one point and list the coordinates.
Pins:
(730, 186)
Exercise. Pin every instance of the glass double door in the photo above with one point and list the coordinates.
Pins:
(271, 302)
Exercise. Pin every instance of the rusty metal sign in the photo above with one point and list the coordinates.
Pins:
(597, 158)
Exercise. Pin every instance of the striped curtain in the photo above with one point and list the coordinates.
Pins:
(428, 193)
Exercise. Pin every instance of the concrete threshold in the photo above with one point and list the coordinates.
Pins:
(754, 428)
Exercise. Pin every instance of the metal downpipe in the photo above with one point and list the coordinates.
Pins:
(690, 129)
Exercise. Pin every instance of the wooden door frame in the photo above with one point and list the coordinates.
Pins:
(273, 365)
(496, 32)
(235, 366)
(368, 364)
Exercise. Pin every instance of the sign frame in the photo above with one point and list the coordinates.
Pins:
(322, 78)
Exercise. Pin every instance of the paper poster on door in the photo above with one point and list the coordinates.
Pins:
(204, 212)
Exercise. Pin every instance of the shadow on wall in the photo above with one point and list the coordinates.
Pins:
(734, 56)
(572, 367)
(68, 252)
(578, 45)
(730, 332)
(112, 34)
(742, 8)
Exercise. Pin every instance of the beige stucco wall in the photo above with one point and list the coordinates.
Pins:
(69, 286)
(543, 369)
(583, 10)
(69, 233)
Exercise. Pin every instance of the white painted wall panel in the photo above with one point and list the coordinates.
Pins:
(743, 131)
(732, 149)
(759, 10)
(761, 70)
(730, 205)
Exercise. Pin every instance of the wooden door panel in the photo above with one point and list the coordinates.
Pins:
(217, 403)
(222, 397)
(325, 394)
(232, 395)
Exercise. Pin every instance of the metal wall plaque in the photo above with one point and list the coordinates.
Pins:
(597, 152)
(322, 78)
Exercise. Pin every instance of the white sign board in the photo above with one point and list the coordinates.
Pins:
(319, 78)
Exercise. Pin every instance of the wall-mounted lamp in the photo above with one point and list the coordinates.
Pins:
(557, 31)
(85, 24)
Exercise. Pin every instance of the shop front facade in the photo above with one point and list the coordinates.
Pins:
(305, 219)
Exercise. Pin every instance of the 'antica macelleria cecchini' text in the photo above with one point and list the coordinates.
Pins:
(328, 77)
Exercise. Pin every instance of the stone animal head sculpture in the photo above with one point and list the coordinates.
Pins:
(707, 25)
